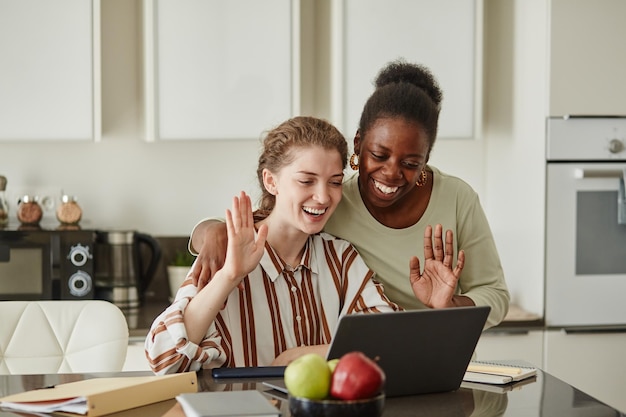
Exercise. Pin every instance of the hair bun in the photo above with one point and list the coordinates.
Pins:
(400, 71)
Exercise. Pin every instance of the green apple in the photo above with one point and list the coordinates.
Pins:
(332, 364)
(308, 376)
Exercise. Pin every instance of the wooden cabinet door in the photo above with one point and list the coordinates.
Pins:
(49, 64)
(220, 69)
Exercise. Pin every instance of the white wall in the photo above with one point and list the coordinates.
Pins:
(507, 165)
(163, 188)
(123, 183)
(515, 131)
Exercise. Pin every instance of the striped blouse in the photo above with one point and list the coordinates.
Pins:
(278, 308)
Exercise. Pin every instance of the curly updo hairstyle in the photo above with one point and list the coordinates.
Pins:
(280, 144)
(404, 90)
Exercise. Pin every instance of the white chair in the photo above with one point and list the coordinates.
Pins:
(61, 336)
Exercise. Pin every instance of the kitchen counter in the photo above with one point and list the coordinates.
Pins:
(543, 396)
(518, 319)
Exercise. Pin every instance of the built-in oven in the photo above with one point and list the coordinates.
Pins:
(38, 263)
(585, 222)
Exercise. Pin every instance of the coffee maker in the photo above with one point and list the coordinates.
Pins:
(125, 263)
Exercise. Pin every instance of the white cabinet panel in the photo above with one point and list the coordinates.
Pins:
(47, 88)
(587, 57)
(592, 362)
(220, 69)
(445, 36)
(524, 346)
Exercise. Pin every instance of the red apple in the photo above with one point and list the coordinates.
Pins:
(356, 377)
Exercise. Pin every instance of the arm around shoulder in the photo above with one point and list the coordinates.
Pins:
(198, 233)
(208, 241)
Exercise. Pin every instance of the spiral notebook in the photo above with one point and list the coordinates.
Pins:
(499, 388)
(498, 372)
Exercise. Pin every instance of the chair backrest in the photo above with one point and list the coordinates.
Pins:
(62, 336)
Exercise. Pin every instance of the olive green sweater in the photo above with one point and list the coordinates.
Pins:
(456, 206)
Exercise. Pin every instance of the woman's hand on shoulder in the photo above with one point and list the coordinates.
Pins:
(435, 286)
(211, 254)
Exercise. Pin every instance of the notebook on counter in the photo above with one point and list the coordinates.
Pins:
(421, 351)
(499, 388)
(498, 372)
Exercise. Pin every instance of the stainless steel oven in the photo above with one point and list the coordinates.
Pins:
(585, 222)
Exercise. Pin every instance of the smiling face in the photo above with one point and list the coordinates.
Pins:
(307, 189)
(392, 154)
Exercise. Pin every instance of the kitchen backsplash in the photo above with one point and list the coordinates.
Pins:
(158, 290)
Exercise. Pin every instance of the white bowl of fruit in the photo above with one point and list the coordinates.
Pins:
(348, 386)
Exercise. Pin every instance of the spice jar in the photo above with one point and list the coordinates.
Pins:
(4, 207)
(29, 211)
(69, 212)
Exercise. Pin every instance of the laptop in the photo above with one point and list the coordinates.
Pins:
(421, 351)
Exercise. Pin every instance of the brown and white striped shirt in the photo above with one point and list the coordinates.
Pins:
(278, 309)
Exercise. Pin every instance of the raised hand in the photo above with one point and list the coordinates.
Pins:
(435, 286)
(244, 252)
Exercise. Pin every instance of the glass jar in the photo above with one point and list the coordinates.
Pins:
(69, 212)
(4, 206)
(29, 211)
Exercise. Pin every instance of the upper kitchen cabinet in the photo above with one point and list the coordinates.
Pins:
(587, 57)
(49, 72)
(220, 69)
(445, 36)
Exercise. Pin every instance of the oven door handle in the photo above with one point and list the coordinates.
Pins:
(598, 173)
(594, 330)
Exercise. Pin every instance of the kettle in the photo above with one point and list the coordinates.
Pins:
(122, 268)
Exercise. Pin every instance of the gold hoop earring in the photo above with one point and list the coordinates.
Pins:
(354, 165)
(422, 179)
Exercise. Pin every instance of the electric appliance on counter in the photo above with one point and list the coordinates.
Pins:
(46, 263)
(586, 222)
(125, 263)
